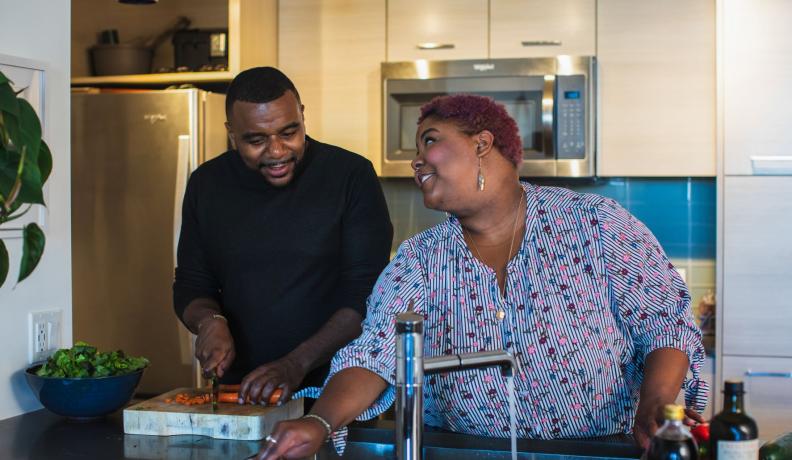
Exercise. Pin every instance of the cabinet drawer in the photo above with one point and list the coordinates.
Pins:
(768, 386)
(757, 275)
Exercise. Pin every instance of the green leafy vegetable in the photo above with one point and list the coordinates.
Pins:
(83, 360)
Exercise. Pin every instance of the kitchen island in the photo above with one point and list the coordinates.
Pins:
(43, 435)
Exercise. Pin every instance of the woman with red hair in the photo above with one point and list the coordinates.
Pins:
(573, 286)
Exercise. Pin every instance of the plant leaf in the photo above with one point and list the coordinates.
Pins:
(8, 100)
(3, 78)
(44, 162)
(32, 250)
(9, 162)
(30, 128)
(3, 261)
(31, 191)
(11, 125)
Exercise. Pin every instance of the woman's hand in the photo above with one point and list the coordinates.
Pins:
(214, 346)
(649, 417)
(294, 439)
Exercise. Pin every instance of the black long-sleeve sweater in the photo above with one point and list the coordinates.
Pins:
(281, 261)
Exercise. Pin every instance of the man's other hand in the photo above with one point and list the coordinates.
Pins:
(214, 347)
(285, 373)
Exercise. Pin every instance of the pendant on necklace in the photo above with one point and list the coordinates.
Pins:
(500, 315)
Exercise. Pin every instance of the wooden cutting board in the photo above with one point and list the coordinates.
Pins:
(231, 421)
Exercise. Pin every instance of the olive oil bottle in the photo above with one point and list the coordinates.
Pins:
(733, 434)
(673, 441)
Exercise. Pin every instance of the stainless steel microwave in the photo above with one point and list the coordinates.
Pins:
(553, 101)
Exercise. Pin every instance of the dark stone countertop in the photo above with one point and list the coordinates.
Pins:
(44, 435)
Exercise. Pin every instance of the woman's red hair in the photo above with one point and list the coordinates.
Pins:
(473, 114)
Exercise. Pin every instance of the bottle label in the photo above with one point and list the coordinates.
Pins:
(738, 450)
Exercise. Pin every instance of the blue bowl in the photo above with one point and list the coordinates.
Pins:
(83, 398)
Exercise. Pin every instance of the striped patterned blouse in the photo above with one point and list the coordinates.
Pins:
(589, 294)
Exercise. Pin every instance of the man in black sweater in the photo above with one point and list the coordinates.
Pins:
(281, 242)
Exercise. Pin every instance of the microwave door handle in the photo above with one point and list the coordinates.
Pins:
(184, 158)
(548, 118)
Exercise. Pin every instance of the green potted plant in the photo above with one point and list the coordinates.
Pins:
(25, 165)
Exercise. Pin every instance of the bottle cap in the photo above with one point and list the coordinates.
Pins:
(733, 387)
(673, 412)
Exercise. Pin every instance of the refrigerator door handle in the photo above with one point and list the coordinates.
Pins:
(184, 166)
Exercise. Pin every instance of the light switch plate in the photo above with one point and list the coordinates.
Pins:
(44, 334)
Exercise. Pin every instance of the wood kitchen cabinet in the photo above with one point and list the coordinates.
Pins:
(754, 226)
(458, 28)
(657, 88)
(756, 75)
(756, 311)
(542, 28)
(332, 50)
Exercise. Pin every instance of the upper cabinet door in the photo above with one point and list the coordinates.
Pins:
(332, 50)
(757, 97)
(541, 28)
(657, 87)
(437, 30)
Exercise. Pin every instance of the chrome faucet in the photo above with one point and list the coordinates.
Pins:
(410, 370)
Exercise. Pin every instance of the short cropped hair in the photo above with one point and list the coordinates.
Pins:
(259, 85)
(473, 114)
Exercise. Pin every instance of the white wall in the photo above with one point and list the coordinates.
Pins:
(39, 30)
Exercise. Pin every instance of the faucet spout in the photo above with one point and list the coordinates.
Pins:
(447, 363)
(411, 366)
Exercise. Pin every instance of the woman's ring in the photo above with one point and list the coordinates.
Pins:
(269, 438)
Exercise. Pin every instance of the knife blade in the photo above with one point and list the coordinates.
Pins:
(215, 391)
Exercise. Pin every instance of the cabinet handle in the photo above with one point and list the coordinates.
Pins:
(542, 43)
(771, 165)
(782, 375)
(435, 46)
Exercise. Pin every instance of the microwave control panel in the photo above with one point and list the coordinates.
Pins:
(570, 117)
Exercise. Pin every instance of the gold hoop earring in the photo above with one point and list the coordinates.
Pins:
(480, 178)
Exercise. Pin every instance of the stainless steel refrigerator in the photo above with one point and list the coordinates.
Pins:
(132, 152)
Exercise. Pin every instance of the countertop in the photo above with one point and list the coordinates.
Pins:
(44, 435)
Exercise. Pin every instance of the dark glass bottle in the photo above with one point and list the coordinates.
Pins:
(733, 434)
(673, 441)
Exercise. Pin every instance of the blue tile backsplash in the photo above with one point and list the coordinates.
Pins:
(679, 211)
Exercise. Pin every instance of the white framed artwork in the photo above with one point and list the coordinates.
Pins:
(29, 76)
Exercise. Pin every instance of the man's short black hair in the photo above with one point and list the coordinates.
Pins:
(259, 85)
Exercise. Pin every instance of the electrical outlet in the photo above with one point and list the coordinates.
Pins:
(45, 334)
